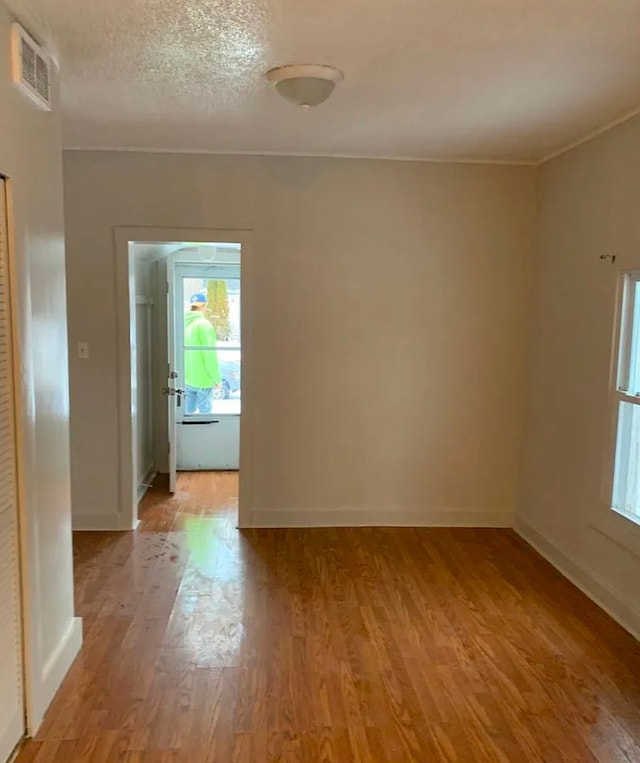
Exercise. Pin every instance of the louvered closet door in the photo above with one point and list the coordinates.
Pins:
(11, 699)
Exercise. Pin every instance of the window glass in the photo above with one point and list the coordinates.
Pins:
(626, 483)
(212, 352)
(629, 351)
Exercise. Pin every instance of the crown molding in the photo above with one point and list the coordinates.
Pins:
(274, 154)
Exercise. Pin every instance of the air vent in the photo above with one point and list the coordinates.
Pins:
(31, 68)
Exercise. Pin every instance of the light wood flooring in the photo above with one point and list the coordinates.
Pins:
(205, 644)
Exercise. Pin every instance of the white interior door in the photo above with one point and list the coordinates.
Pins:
(11, 699)
(172, 390)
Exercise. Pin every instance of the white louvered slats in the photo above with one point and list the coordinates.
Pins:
(11, 694)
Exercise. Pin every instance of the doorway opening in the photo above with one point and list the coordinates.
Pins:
(185, 350)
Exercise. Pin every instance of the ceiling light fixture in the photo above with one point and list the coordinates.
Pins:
(305, 85)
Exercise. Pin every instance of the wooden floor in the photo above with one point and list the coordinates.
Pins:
(203, 644)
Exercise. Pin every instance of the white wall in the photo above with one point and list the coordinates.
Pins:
(388, 308)
(589, 204)
(30, 155)
(142, 352)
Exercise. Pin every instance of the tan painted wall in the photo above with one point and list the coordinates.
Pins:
(389, 311)
(30, 155)
(588, 206)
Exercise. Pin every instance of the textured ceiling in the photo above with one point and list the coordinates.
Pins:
(466, 79)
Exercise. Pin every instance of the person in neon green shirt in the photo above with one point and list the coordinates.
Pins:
(201, 369)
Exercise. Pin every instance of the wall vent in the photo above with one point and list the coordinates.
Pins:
(31, 67)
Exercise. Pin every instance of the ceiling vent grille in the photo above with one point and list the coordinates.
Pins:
(31, 68)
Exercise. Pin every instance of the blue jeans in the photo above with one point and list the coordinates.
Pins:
(197, 400)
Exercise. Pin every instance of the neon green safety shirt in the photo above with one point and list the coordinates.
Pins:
(201, 367)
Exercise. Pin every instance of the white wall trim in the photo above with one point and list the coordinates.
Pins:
(303, 155)
(608, 600)
(391, 517)
(54, 672)
(98, 522)
(17, 750)
(590, 135)
(127, 482)
(149, 477)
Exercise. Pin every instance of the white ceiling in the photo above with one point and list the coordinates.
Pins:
(512, 80)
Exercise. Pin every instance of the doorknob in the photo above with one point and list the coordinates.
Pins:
(171, 391)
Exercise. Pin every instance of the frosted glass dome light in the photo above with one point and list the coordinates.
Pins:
(305, 85)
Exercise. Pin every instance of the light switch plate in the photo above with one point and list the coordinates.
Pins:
(83, 350)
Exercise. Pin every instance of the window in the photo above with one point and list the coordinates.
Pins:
(625, 497)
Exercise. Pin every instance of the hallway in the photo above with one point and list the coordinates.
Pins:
(307, 646)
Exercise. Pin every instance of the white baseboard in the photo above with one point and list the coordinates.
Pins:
(602, 595)
(97, 522)
(352, 517)
(53, 673)
(146, 483)
(14, 755)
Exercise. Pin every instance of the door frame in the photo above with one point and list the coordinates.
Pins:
(27, 636)
(123, 236)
